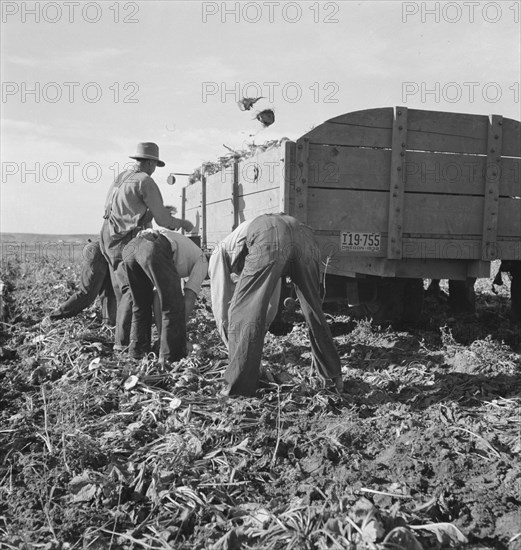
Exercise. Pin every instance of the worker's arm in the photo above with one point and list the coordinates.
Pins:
(153, 199)
(194, 282)
(190, 299)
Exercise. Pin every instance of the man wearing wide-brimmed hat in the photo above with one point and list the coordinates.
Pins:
(141, 262)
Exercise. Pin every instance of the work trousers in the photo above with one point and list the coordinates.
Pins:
(94, 280)
(278, 245)
(113, 253)
(147, 263)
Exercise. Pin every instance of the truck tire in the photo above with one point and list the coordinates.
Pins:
(413, 295)
(387, 305)
(397, 300)
(462, 298)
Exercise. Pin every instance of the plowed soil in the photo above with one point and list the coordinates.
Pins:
(421, 450)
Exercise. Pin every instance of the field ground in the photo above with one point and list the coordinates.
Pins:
(422, 450)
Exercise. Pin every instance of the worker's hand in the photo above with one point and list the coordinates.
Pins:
(187, 226)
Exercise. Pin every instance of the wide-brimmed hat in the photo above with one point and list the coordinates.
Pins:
(148, 150)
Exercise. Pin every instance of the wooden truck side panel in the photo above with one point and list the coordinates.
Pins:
(434, 187)
(237, 193)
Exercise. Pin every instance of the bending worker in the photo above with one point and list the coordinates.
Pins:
(94, 280)
(191, 266)
(140, 263)
(267, 248)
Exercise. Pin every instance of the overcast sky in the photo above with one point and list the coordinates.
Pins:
(83, 82)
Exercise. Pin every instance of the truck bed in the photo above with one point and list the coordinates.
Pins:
(390, 192)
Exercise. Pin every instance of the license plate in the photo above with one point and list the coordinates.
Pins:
(360, 242)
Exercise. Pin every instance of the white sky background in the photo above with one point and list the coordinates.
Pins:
(163, 60)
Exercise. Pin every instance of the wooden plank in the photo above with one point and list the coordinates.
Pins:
(222, 216)
(193, 194)
(511, 138)
(219, 186)
(397, 185)
(458, 249)
(444, 248)
(368, 128)
(262, 171)
(447, 132)
(290, 180)
(492, 184)
(381, 117)
(286, 201)
(460, 174)
(301, 183)
(460, 215)
(359, 168)
(509, 222)
(459, 133)
(264, 202)
(349, 264)
(221, 225)
(193, 206)
(352, 136)
(349, 210)
(349, 167)
(428, 131)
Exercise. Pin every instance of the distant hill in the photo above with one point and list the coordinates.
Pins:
(43, 238)
(27, 247)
